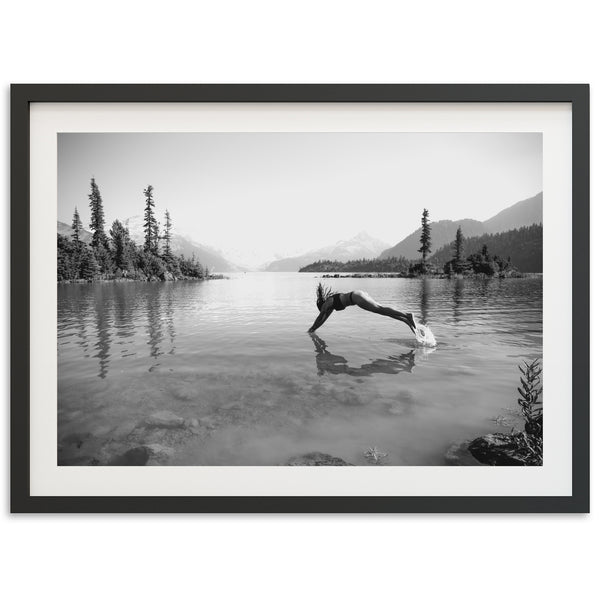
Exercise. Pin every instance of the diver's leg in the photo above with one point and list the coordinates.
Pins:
(365, 301)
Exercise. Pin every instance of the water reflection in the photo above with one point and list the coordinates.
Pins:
(425, 293)
(338, 365)
(483, 288)
(123, 320)
(108, 320)
(103, 337)
(242, 368)
(81, 313)
(169, 317)
(154, 327)
(457, 298)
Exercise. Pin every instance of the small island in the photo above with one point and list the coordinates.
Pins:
(95, 256)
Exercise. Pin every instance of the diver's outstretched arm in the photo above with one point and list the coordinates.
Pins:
(323, 316)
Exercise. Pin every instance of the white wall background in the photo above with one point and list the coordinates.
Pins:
(296, 556)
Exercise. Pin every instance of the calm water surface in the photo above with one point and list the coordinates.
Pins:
(244, 384)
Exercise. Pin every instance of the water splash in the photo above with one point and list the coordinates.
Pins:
(425, 336)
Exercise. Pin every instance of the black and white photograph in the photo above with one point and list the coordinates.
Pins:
(300, 299)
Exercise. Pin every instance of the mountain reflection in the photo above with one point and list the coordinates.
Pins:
(338, 365)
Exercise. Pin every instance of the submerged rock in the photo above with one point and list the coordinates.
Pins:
(497, 449)
(317, 459)
(134, 457)
(192, 423)
(459, 455)
(159, 454)
(164, 418)
(139, 456)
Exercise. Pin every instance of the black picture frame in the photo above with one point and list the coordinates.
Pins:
(22, 95)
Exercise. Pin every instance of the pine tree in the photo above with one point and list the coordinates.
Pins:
(150, 224)
(104, 260)
(67, 262)
(88, 268)
(167, 237)
(121, 245)
(459, 244)
(425, 238)
(77, 229)
(156, 237)
(97, 217)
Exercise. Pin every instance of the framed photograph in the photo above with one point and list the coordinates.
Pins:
(300, 298)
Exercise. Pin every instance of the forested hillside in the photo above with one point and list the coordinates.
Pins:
(523, 246)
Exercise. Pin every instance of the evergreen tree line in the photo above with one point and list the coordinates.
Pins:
(116, 255)
(490, 254)
(363, 265)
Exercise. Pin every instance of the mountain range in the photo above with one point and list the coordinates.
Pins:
(523, 213)
(360, 246)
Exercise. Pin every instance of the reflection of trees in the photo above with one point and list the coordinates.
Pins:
(159, 308)
(103, 339)
(155, 334)
(484, 287)
(139, 315)
(81, 330)
(337, 364)
(457, 298)
(425, 293)
(124, 309)
(82, 311)
(168, 291)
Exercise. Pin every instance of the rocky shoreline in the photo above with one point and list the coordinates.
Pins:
(151, 279)
(429, 276)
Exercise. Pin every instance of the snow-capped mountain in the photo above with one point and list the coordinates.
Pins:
(360, 246)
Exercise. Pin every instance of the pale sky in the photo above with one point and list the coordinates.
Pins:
(291, 192)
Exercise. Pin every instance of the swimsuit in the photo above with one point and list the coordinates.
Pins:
(337, 303)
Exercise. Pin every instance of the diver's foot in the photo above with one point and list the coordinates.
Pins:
(411, 321)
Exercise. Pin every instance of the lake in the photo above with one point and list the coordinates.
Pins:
(223, 372)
